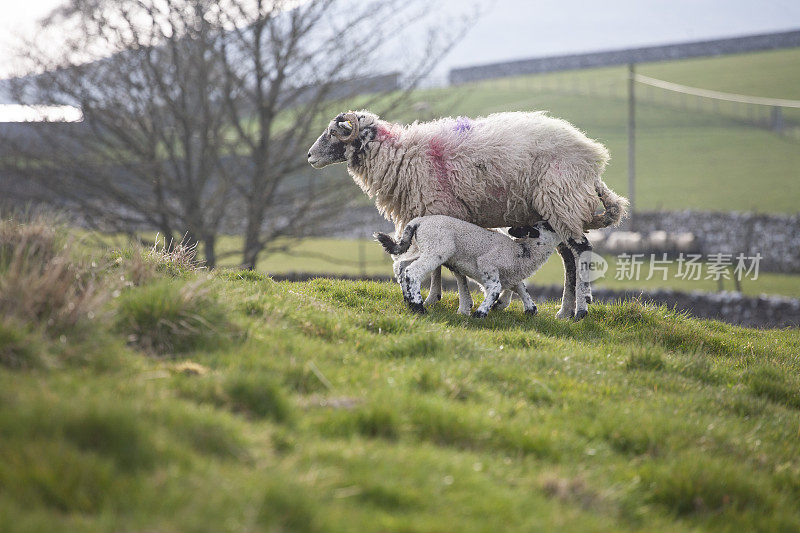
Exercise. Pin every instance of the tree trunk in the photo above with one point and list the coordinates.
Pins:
(209, 244)
(250, 257)
(252, 242)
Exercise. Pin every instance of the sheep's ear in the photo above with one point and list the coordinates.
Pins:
(547, 227)
(533, 233)
(518, 231)
(345, 125)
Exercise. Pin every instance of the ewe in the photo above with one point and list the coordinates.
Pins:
(507, 169)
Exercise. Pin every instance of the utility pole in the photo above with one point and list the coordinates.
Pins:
(631, 140)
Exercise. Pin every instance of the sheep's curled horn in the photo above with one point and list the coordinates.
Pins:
(353, 119)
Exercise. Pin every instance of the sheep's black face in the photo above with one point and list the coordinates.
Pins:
(345, 139)
(329, 148)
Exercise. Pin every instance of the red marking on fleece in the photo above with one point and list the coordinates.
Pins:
(385, 134)
(437, 152)
(496, 191)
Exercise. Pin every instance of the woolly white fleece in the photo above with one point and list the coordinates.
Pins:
(507, 169)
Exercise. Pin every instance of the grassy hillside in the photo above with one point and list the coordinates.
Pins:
(685, 158)
(137, 393)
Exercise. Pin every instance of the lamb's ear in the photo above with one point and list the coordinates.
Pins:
(518, 232)
(533, 233)
(547, 227)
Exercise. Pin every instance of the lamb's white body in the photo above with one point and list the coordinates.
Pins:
(506, 169)
(497, 262)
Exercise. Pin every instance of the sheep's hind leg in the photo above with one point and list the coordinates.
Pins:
(435, 293)
(399, 267)
(527, 302)
(464, 297)
(583, 290)
(504, 300)
(568, 297)
(412, 281)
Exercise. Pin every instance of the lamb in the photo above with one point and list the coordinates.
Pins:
(497, 262)
(506, 169)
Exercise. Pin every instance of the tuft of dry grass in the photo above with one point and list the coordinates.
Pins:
(144, 264)
(174, 258)
(39, 280)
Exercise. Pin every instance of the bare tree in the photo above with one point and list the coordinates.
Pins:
(199, 114)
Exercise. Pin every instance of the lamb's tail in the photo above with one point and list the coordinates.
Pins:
(396, 248)
(616, 207)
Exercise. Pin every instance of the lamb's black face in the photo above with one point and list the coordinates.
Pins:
(521, 232)
(542, 232)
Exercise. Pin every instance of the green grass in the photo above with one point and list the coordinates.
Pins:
(327, 406)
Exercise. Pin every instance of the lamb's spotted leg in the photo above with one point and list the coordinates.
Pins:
(491, 292)
(583, 291)
(399, 266)
(527, 302)
(568, 297)
(435, 294)
(412, 278)
(504, 300)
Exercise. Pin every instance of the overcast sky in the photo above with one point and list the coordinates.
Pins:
(18, 19)
(514, 29)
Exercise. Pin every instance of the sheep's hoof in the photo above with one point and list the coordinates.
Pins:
(479, 314)
(465, 312)
(417, 308)
(581, 314)
(531, 311)
(565, 314)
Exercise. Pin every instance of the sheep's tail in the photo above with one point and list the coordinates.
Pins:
(616, 207)
(396, 248)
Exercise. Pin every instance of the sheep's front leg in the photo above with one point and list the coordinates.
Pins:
(464, 297)
(583, 291)
(527, 302)
(435, 294)
(491, 292)
(568, 297)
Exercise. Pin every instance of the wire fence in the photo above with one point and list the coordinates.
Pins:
(779, 115)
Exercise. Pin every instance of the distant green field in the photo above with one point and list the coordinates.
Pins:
(341, 256)
(685, 158)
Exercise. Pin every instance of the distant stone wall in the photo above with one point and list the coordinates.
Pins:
(733, 308)
(647, 54)
(775, 237)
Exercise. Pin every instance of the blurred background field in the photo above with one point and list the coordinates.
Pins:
(362, 257)
(691, 153)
